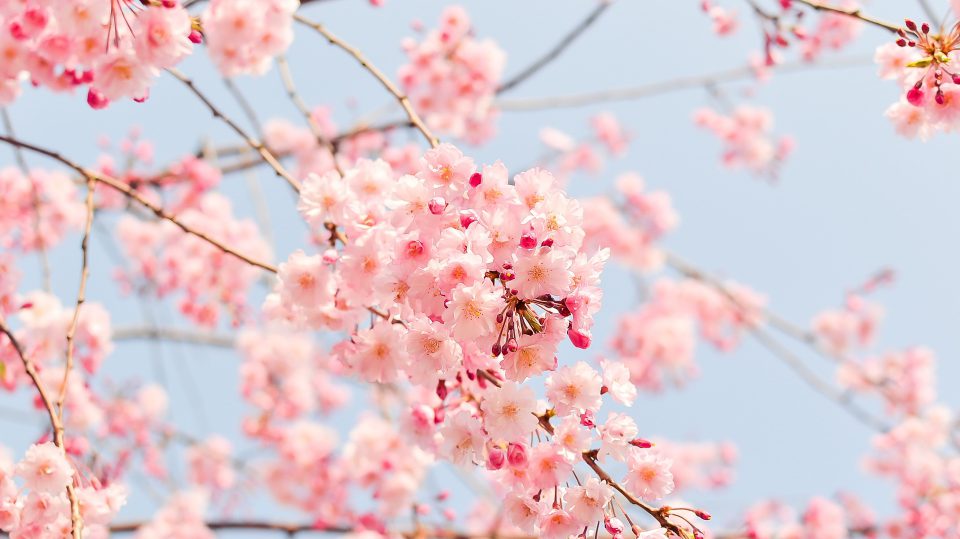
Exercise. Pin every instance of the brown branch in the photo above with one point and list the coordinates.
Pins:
(173, 334)
(557, 49)
(56, 424)
(856, 13)
(777, 349)
(134, 195)
(380, 76)
(250, 141)
(22, 164)
(291, 88)
(667, 86)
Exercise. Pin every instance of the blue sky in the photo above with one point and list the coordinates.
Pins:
(853, 198)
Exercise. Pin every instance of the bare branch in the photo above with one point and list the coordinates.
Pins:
(380, 76)
(557, 49)
(252, 142)
(130, 193)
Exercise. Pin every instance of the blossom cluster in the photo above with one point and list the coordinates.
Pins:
(452, 77)
(747, 139)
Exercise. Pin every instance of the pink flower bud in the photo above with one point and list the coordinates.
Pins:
(587, 419)
(915, 97)
(528, 240)
(437, 205)
(547, 243)
(330, 256)
(579, 338)
(443, 495)
(414, 248)
(442, 390)
(476, 179)
(517, 456)
(613, 525)
(195, 37)
(96, 100)
(496, 458)
(467, 218)
(641, 443)
(703, 514)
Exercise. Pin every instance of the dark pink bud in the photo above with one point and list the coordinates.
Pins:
(467, 218)
(925, 28)
(169, 3)
(17, 31)
(507, 265)
(547, 242)
(495, 350)
(915, 97)
(96, 100)
(476, 179)
(902, 42)
(496, 458)
(330, 256)
(702, 514)
(517, 455)
(613, 525)
(528, 240)
(641, 443)
(939, 97)
(414, 248)
(442, 390)
(911, 25)
(578, 338)
(195, 37)
(437, 205)
(586, 419)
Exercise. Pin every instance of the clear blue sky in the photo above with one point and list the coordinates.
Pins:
(854, 197)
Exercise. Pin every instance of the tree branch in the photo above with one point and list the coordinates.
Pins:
(130, 193)
(557, 49)
(380, 76)
(252, 142)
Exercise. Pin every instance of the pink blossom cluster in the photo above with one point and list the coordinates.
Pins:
(181, 517)
(700, 465)
(37, 209)
(747, 140)
(285, 377)
(657, 341)
(43, 324)
(925, 107)
(452, 78)
(822, 519)
(106, 46)
(850, 328)
(905, 380)
(244, 36)
(39, 507)
(163, 260)
(632, 229)
(567, 156)
(724, 20)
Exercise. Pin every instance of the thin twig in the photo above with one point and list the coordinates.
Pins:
(665, 87)
(22, 164)
(778, 350)
(557, 49)
(173, 334)
(380, 76)
(856, 13)
(252, 142)
(76, 520)
(286, 77)
(134, 195)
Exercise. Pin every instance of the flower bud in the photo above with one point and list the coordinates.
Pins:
(578, 338)
(528, 240)
(496, 458)
(476, 179)
(330, 256)
(641, 443)
(442, 390)
(517, 456)
(96, 100)
(437, 205)
(195, 37)
(613, 525)
(467, 218)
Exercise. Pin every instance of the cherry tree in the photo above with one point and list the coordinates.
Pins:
(436, 318)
